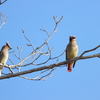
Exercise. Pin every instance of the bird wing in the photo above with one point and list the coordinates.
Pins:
(75, 61)
(74, 64)
(66, 54)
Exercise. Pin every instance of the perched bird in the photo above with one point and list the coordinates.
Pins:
(4, 55)
(71, 52)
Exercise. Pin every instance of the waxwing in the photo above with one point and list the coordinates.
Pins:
(4, 55)
(71, 52)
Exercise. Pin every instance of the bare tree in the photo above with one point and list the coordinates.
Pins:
(44, 71)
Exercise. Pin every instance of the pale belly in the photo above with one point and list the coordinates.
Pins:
(3, 59)
(72, 54)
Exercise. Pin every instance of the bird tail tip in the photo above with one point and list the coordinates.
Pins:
(69, 70)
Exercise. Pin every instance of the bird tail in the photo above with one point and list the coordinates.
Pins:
(70, 67)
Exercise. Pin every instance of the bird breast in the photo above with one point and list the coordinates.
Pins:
(72, 52)
(3, 57)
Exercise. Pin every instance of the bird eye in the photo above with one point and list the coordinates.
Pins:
(73, 37)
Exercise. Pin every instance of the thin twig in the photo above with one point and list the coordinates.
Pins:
(90, 50)
(27, 39)
(3, 19)
(59, 55)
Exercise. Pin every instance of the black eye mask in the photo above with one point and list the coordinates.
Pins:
(71, 38)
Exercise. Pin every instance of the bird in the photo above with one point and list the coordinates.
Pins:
(71, 52)
(4, 55)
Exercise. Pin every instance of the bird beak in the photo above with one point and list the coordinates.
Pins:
(10, 48)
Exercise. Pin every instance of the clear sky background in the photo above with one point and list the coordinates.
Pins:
(82, 19)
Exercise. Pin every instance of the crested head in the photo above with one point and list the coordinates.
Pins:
(8, 45)
(72, 38)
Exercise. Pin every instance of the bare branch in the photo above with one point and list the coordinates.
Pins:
(47, 67)
(90, 50)
(3, 19)
(47, 75)
(1, 2)
(45, 31)
(27, 39)
(59, 55)
(20, 50)
(38, 78)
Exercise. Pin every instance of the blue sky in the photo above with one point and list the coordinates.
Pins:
(82, 19)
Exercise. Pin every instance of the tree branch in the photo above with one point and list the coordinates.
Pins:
(1, 2)
(89, 50)
(3, 19)
(48, 67)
